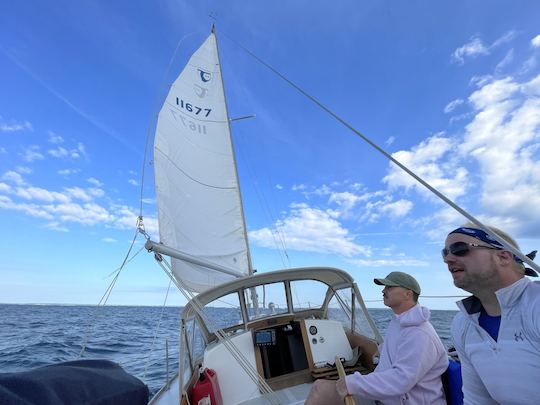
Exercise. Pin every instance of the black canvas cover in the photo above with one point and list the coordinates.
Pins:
(82, 382)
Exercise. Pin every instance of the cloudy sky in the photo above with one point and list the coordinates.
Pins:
(450, 90)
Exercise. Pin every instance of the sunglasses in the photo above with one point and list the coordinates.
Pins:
(463, 248)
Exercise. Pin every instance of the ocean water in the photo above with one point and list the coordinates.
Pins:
(37, 335)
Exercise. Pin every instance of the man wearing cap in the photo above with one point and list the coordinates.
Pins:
(412, 357)
(497, 331)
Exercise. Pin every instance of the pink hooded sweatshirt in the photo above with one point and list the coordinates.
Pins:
(410, 366)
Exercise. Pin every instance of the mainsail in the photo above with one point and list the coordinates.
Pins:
(199, 206)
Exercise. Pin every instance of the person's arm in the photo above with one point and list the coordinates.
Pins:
(474, 390)
(415, 356)
(368, 347)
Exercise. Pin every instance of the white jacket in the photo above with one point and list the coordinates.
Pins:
(506, 371)
(410, 366)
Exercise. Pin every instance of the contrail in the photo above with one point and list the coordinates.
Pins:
(112, 133)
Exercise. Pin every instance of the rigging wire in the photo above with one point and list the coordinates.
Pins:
(130, 259)
(156, 330)
(456, 207)
(279, 241)
(103, 301)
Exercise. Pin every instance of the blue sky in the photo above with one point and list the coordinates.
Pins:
(452, 89)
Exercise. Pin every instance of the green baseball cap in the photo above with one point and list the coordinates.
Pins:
(399, 279)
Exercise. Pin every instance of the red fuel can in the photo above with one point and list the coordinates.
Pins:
(206, 389)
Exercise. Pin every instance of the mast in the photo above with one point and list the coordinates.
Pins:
(253, 292)
(250, 265)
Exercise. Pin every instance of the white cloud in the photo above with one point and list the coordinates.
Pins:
(494, 92)
(504, 39)
(535, 42)
(345, 200)
(5, 188)
(59, 152)
(507, 60)
(79, 151)
(532, 88)
(68, 172)
(87, 214)
(72, 205)
(37, 193)
(74, 153)
(390, 140)
(95, 192)
(94, 182)
(15, 126)
(279, 186)
(481, 80)
(56, 226)
(133, 182)
(473, 48)
(431, 161)
(476, 47)
(29, 209)
(23, 169)
(109, 240)
(310, 229)
(451, 106)
(78, 193)
(54, 138)
(397, 209)
(32, 154)
(126, 218)
(13, 177)
(381, 205)
(3, 150)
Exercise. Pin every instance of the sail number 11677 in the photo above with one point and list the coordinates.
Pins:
(192, 108)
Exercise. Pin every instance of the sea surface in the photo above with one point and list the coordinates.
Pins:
(135, 337)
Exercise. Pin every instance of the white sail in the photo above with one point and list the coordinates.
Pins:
(198, 198)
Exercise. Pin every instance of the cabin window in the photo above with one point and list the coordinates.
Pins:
(361, 324)
(340, 310)
(339, 307)
(307, 294)
(195, 343)
(223, 313)
(270, 300)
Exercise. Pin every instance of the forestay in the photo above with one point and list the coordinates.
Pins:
(198, 198)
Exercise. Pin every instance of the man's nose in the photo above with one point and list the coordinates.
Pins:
(449, 258)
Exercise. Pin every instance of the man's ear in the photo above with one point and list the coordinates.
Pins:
(505, 257)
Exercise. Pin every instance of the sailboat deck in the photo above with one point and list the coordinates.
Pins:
(290, 395)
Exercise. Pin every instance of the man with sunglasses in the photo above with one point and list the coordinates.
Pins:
(497, 331)
(412, 357)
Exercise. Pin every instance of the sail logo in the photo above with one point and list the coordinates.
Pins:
(200, 91)
(205, 76)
